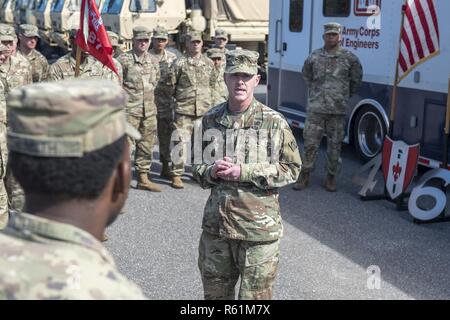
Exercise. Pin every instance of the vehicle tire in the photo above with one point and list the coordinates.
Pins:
(368, 133)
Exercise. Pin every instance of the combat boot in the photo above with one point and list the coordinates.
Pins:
(165, 172)
(177, 183)
(302, 182)
(330, 183)
(144, 183)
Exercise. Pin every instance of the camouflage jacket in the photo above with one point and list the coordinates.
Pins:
(332, 79)
(3, 117)
(249, 209)
(140, 76)
(39, 65)
(64, 68)
(220, 90)
(43, 259)
(107, 73)
(14, 73)
(191, 81)
(163, 93)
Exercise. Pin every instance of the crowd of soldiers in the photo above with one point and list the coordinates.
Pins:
(71, 141)
(164, 93)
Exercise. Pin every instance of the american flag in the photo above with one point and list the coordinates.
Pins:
(419, 35)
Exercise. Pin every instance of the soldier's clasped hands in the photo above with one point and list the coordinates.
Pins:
(225, 169)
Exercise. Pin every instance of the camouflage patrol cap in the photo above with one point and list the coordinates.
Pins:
(332, 27)
(221, 34)
(141, 32)
(242, 61)
(160, 33)
(215, 53)
(194, 36)
(29, 30)
(7, 33)
(73, 33)
(113, 38)
(67, 118)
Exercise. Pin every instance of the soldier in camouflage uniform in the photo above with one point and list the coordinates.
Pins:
(114, 39)
(140, 76)
(252, 153)
(15, 71)
(76, 175)
(220, 91)
(28, 39)
(221, 40)
(64, 67)
(9, 32)
(4, 52)
(163, 95)
(107, 72)
(192, 78)
(333, 74)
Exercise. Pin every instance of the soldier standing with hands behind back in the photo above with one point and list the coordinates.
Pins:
(242, 225)
(140, 76)
(333, 74)
(192, 79)
(163, 95)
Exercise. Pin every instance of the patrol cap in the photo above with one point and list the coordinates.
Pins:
(215, 53)
(194, 36)
(29, 30)
(221, 34)
(73, 33)
(7, 33)
(242, 61)
(141, 32)
(332, 27)
(160, 33)
(113, 38)
(67, 118)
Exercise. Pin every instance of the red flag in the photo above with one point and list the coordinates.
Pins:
(420, 35)
(92, 36)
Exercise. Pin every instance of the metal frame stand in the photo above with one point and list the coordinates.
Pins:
(401, 203)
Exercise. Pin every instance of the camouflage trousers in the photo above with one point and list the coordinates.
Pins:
(164, 133)
(3, 162)
(222, 261)
(183, 131)
(317, 125)
(143, 149)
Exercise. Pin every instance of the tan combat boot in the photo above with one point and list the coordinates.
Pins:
(144, 183)
(177, 183)
(165, 172)
(330, 183)
(302, 182)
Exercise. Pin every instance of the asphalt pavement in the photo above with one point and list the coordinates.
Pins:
(332, 242)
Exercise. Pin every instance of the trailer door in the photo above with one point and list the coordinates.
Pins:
(293, 47)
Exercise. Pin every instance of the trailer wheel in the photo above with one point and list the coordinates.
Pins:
(368, 132)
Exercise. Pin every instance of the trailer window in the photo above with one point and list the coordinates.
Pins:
(143, 6)
(58, 6)
(336, 8)
(296, 16)
(112, 6)
(41, 6)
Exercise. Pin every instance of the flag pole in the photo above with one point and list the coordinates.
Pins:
(447, 129)
(78, 61)
(394, 90)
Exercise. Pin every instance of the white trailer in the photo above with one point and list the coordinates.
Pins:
(371, 30)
